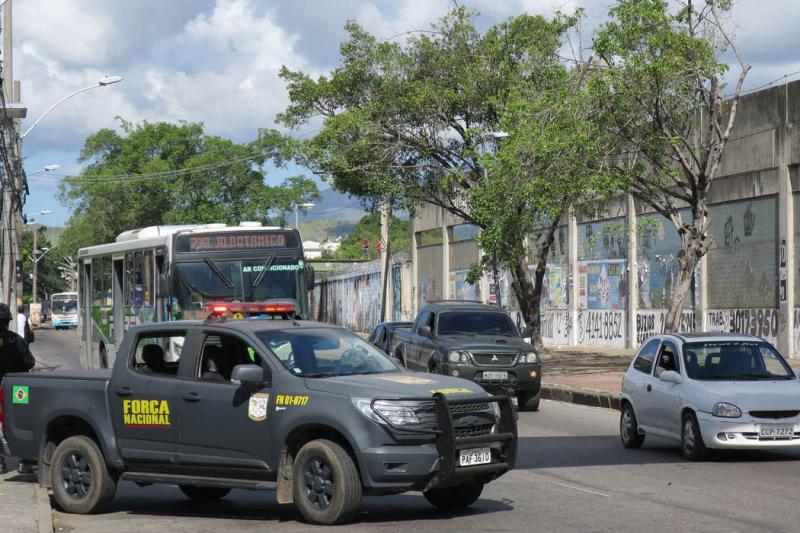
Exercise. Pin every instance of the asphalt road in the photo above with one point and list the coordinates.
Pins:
(572, 475)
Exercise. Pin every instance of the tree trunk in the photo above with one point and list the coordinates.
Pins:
(529, 293)
(695, 242)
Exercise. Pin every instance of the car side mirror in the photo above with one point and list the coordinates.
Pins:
(248, 375)
(424, 331)
(311, 280)
(670, 376)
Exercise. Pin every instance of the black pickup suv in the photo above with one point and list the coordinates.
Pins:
(475, 341)
(305, 408)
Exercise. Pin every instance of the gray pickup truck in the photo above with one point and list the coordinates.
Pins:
(308, 409)
(474, 341)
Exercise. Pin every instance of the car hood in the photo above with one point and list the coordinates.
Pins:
(751, 395)
(396, 385)
(483, 343)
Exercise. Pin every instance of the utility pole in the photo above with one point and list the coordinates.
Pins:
(387, 286)
(35, 265)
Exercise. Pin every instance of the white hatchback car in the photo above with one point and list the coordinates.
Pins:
(710, 391)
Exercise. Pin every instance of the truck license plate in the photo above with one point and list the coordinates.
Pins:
(495, 375)
(475, 456)
(776, 431)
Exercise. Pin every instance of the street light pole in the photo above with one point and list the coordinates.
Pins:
(36, 259)
(297, 207)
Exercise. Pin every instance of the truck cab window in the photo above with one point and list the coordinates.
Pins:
(220, 354)
(158, 353)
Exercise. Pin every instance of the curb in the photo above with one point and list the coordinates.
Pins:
(44, 514)
(589, 397)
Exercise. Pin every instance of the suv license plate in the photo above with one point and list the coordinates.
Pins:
(776, 431)
(475, 456)
(495, 375)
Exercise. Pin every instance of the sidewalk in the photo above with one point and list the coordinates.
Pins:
(584, 375)
(24, 506)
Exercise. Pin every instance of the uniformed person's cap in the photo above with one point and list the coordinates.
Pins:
(5, 313)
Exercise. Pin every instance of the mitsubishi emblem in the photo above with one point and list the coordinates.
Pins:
(494, 358)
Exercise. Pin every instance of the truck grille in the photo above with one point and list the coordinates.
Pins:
(494, 359)
(473, 431)
(469, 407)
(774, 414)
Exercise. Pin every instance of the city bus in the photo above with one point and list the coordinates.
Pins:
(64, 310)
(163, 273)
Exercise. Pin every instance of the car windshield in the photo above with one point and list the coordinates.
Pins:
(476, 323)
(325, 352)
(734, 360)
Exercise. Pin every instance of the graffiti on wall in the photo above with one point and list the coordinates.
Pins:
(556, 327)
(760, 322)
(460, 289)
(651, 322)
(602, 284)
(601, 328)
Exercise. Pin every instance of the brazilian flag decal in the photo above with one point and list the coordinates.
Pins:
(19, 394)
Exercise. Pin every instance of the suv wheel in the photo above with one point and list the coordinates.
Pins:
(529, 401)
(327, 488)
(692, 443)
(455, 498)
(629, 428)
(81, 481)
(204, 494)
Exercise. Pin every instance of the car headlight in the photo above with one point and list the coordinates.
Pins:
(528, 357)
(458, 357)
(397, 413)
(726, 410)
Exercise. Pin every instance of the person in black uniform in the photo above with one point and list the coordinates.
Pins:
(15, 356)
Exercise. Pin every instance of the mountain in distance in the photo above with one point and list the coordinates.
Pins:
(333, 216)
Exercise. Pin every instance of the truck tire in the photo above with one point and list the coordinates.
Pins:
(204, 494)
(327, 488)
(529, 401)
(81, 481)
(455, 498)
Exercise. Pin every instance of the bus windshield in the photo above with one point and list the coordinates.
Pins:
(198, 282)
(64, 305)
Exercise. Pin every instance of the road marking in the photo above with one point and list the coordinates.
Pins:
(596, 493)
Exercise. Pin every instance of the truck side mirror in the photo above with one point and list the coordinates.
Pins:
(248, 375)
(311, 281)
(424, 331)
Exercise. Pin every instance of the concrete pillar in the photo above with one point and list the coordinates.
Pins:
(574, 286)
(445, 257)
(414, 268)
(632, 298)
(783, 147)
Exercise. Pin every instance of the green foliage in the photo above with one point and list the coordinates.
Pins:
(48, 276)
(369, 227)
(217, 181)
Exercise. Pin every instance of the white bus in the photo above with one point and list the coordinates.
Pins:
(162, 273)
(64, 310)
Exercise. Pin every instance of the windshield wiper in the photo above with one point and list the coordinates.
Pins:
(315, 375)
(264, 268)
(220, 274)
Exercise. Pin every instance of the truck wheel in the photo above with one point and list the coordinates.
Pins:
(81, 481)
(455, 498)
(327, 488)
(204, 494)
(529, 401)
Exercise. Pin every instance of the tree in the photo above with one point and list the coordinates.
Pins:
(369, 228)
(411, 122)
(662, 87)
(161, 173)
(48, 275)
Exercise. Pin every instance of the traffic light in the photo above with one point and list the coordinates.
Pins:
(18, 270)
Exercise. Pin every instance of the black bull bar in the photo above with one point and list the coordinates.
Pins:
(448, 446)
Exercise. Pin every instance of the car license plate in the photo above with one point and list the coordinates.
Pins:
(776, 431)
(475, 456)
(495, 375)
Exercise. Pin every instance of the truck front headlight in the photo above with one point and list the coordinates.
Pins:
(528, 357)
(397, 413)
(458, 357)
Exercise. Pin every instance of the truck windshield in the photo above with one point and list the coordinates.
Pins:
(325, 352)
(734, 361)
(476, 323)
(198, 282)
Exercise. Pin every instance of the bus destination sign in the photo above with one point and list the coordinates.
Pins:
(217, 242)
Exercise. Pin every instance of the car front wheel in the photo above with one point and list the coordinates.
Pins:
(327, 489)
(692, 443)
(529, 401)
(629, 428)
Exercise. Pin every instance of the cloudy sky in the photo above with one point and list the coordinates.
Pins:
(216, 61)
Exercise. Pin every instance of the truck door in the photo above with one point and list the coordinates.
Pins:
(226, 424)
(144, 398)
(426, 345)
